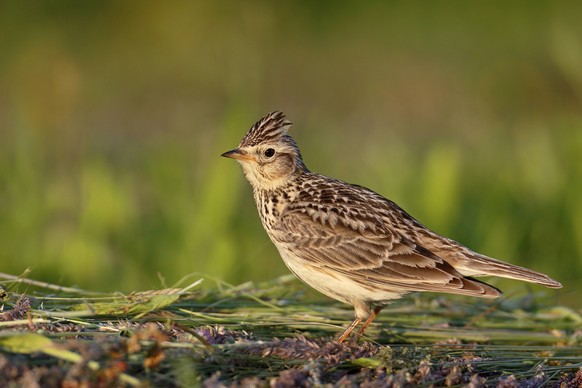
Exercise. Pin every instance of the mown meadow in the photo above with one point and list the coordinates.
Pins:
(114, 201)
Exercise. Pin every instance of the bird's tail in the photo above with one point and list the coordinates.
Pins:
(481, 265)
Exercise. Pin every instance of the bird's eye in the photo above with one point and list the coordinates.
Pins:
(269, 152)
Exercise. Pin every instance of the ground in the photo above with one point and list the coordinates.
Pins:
(271, 335)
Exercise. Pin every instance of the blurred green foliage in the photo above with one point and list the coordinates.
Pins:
(113, 114)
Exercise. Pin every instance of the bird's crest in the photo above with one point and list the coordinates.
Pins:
(271, 127)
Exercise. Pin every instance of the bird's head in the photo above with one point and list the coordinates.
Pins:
(268, 155)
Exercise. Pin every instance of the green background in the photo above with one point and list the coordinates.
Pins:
(113, 115)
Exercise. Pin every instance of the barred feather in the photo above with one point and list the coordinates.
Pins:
(271, 127)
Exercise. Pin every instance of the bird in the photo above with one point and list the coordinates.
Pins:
(349, 242)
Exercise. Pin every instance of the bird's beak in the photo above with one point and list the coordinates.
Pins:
(237, 154)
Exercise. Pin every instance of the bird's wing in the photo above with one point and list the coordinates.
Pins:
(362, 247)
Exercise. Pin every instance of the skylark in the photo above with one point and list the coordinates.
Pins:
(350, 243)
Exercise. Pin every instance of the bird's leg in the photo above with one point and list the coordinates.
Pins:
(370, 319)
(349, 330)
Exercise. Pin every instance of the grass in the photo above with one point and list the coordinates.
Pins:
(270, 333)
(112, 120)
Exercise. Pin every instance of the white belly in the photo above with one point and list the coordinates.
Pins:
(336, 285)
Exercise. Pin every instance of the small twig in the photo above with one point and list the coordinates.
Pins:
(478, 317)
(20, 279)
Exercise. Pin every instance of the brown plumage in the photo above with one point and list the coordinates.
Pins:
(349, 242)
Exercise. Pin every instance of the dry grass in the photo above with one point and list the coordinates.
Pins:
(269, 334)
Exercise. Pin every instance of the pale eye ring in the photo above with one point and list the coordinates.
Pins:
(269, 152)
